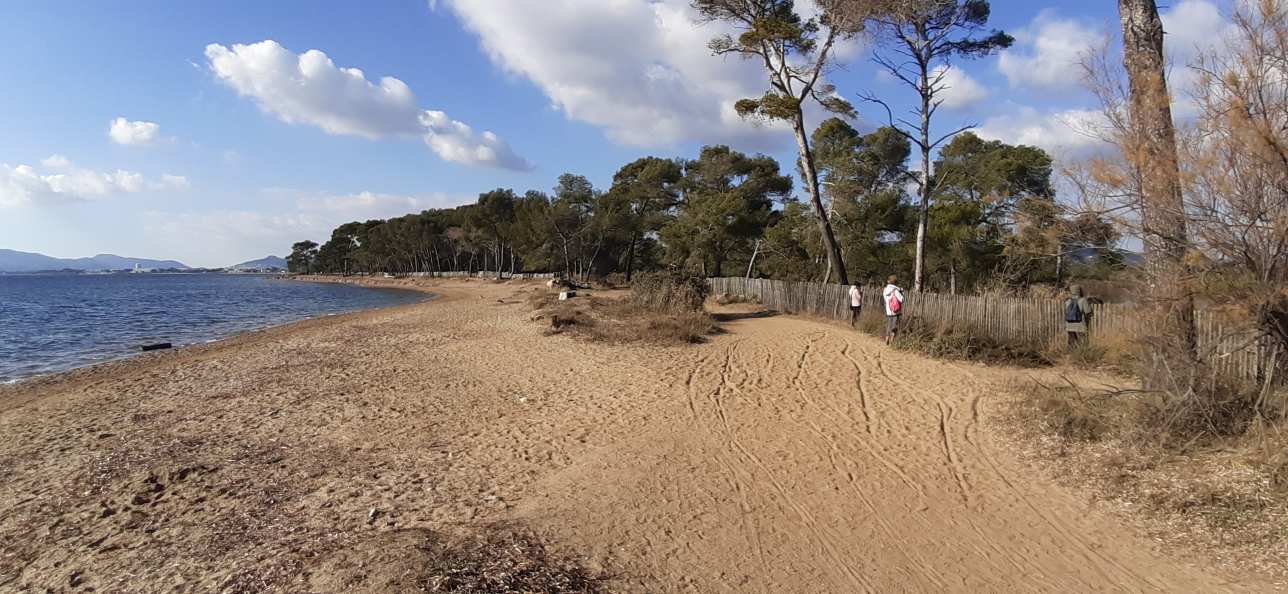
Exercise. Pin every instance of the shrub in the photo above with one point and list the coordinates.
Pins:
(1071, 415)
(1209, 408)
(669, 292)
(619, 321)
(500, 560)
(958, 342)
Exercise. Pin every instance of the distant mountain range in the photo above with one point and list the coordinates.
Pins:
(15, 261)
(266, 263)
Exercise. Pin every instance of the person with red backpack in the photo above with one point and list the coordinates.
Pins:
(1077, 316)
(892, 297)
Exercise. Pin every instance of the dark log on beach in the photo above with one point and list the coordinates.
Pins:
(154, 347)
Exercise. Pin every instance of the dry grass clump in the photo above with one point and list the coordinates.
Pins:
(956, 343)
(621, 322)
(1221, 494)
(1072, 416)
(1115, 353)
(503, 560)
(669, 292)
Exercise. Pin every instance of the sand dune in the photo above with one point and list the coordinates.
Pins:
(783, 456)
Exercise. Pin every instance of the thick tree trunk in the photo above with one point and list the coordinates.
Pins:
(1152, 149)
(834, 261)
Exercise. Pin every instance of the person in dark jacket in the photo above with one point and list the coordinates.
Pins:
(1077, 316)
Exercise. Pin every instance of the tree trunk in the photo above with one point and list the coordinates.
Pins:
(752, 264)
(567, 260)
(952, 277)
(500, 253)
(834, 261)
(630, 257)
(1153, 152)
(923, 208)
(1059, 268)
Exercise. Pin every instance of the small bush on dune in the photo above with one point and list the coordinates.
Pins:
(955, 343)
(1215, 407)
(619, 322)
(691, 327)
(669, 292)
(1069, 412)
(1111, 352)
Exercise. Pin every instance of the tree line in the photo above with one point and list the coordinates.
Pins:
(724, 212)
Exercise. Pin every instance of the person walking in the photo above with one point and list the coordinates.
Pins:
(892, 298)
(856, 304)
(1077, 316)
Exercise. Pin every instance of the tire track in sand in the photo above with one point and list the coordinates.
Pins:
(925, 568)
(1085, 549)
(820, 535)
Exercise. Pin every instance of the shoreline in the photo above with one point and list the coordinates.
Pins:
(110, 364)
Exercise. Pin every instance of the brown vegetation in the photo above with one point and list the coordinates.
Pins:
(1209, 477)
(617, 320)
(957, 342)
(670, 292)
(502, 560)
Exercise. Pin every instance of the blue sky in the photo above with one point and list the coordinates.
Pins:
(230, 142)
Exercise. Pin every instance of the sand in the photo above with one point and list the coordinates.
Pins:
(785, 455)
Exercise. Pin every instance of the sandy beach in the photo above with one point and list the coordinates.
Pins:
(784, 455)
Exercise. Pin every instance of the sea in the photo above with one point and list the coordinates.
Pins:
(52, 323)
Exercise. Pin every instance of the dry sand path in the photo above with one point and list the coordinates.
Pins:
(783, 456)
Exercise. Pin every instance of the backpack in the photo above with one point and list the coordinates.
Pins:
(1072, 312)
(895, 304)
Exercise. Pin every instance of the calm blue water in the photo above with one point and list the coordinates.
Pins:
(54, 323)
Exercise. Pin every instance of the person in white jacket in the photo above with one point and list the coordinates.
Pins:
(856, 304)
(892, 297)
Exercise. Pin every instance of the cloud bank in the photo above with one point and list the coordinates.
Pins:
(310, 89)
(62, 182)
(642, 73)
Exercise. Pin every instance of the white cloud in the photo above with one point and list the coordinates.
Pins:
(1193, 27)
(55, 162)
(133, 133)
(309, 88)
(173, 182)
(368, 205)
(960, 90)
(1059, 132)
(1047, 52)
(643, 72)
(22, 185)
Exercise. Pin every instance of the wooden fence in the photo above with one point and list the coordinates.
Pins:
(1028, 321)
